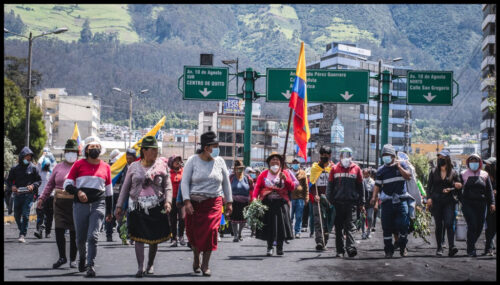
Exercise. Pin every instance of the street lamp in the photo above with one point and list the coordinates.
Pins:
(228, 62)
(130, 111)
(377, 140)
(31, 38)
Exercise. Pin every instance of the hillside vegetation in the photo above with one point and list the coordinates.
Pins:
(155, 41)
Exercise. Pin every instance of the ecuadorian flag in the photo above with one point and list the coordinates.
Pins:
(76, 136)
(298, 102)
(117, 167)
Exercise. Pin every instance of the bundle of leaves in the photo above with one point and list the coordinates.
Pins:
(421, 224)
(254, 213)
(124, 230)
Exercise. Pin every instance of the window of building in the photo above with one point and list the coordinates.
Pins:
(398, 141)
(417, 150)
(258, 139)
(239, 138)
(372, 138)
(226, 150)
(225, 123)
(52, 96)
(240, 151)
(225, 137)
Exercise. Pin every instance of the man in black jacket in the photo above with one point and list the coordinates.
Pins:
(24, 179)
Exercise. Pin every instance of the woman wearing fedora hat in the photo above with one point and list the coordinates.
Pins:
(273, 187)
(63, 204)
(148, 188)
(204, 181)
(90, 181)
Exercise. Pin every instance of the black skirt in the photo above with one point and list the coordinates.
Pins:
(277, 224)
(151, 229)
(237, 215)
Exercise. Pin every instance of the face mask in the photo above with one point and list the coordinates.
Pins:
(474, 166)
(70, 157)
(295, 167)
(94, 153)
(25, 162)
(387, 159)
(324, 159)
(215, 152)
(275, 168)
(346, 162)
(441, 161)
(253, 175)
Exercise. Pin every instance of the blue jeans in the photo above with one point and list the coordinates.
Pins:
(297, 211)
(311, 217)
(88, 219)
(22, 206)
(395, 218)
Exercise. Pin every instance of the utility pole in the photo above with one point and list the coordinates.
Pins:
(249, 76)
(28, 96)
(130, 122)
(377, 144)
(369, 136)
(386, 98)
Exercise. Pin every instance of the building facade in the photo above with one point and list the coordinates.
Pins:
(488, 81)
(355, 125)
(230, 130)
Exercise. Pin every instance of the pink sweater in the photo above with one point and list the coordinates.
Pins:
(57, 178)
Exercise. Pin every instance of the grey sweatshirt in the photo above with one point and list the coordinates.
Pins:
(207, 178)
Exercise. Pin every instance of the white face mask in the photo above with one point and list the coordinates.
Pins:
(345, 162)
(70, 157)
(275, 168)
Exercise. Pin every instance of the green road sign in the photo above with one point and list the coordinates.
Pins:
(430, 87)
(205, 83)
(323, 85)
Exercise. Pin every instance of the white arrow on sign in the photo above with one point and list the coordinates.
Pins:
(287, 94)
(205, 92)
(346, 95)
(429, 97)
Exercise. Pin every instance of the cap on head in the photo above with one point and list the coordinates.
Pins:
(93, 140)
(149, 142)
(444, 153)
(388, 149)
(273, 154)
(71, 145)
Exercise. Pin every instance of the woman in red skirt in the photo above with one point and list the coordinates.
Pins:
(204, 181)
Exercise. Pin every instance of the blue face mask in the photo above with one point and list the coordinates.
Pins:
(215, 152)
(387, 159)
(25, 161)
(474, 166)
(253, 175)
(295, 167)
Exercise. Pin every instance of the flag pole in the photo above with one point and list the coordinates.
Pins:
(287, 132)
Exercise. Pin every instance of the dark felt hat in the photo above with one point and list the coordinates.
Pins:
(149, 142)
(268, 159)
(209, 138)
(71, 145)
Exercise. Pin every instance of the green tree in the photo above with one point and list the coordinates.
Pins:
(9, 158)
(421, 164)
(15, 118)
(86, 33)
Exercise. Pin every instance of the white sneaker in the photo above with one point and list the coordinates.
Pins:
(21, 239)
(269, 252)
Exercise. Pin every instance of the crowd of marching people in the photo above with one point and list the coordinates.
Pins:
(157, 200)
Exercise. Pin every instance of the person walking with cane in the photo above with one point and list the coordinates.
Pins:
(321, 207)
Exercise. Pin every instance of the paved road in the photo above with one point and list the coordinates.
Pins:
(246, 260)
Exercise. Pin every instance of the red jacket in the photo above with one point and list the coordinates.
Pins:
(261, 190)
(175, 178)
(345, 185)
